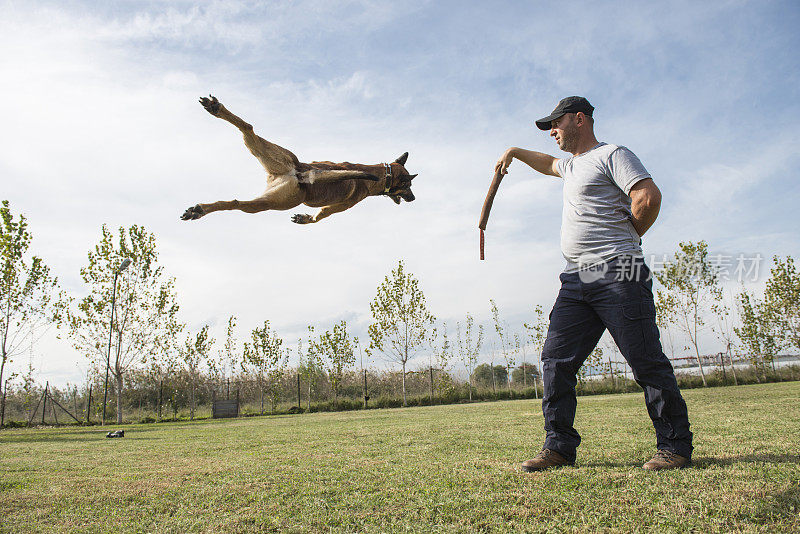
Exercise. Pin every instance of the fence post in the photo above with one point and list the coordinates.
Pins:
(237, 402)
(53, 403)
(3, 407)
(366, 397)
(75, 400)
(228, 389)
(44, 406)
(33, 414)
(160, 400)
(611, 371)
(430, 369)
(89, 405)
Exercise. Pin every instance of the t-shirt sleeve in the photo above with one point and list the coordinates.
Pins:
(561, 166)
(626, 169)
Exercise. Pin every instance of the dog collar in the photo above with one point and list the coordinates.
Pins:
(388, 177)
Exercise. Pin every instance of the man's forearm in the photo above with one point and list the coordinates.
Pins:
(644, 214)
(645, 205)
(536, 160)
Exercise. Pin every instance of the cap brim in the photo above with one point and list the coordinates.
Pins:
(544, 124)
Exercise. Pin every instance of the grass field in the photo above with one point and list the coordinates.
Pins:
(441, 469)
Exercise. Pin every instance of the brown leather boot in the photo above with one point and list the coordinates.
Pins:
(664, 459)
(545, 460)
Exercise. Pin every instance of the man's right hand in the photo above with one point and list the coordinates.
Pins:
(543, 163)
(505, 161)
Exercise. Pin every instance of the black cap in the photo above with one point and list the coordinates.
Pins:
(571, 104)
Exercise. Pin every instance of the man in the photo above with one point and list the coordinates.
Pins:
(610, 201)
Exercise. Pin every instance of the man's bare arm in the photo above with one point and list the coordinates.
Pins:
(645, 204)
(538, 161)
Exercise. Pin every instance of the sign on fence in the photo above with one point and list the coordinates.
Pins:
(224, 408)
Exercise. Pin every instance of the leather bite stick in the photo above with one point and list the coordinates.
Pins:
(487, 204)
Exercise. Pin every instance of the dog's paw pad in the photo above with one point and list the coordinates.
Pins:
(211, 104)
(195, 212)
(302, 218)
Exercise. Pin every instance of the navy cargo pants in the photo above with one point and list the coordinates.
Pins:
(617, 297)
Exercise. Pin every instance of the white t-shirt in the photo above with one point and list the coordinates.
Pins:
(596, 221)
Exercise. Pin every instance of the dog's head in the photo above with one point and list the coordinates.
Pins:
(401, 183)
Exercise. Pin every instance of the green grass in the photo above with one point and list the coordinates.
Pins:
(441, 469)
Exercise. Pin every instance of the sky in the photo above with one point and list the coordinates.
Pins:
(101, 125)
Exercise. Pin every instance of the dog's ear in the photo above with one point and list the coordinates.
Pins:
(402, 159)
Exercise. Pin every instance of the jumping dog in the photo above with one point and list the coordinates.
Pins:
(332, 187)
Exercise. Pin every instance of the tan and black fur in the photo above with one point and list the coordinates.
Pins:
(332, 187)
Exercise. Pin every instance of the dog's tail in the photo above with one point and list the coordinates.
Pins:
(319, 176)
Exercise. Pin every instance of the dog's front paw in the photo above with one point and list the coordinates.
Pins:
(211, 104)
(195, 212)
(302, 218)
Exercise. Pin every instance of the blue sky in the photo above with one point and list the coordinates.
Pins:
(102, 125)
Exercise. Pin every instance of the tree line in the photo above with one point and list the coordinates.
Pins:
(127, 325)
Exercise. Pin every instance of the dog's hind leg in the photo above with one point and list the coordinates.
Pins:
(275, 159)
(280, 197)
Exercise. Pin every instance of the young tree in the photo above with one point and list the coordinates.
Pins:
(440, 357)
(611, 346)
(275, 376)
(337, 349)
(146, 309)
(221, 366)
(757, 331)
(594, 360)
(537, 333)
(262, 353)
(310, 365)
(505, 345)
(29, 296)
(403, 323)
(691, 287)
(725, 332)
(663, 320)
(782, 297)
(194, 352)
(469, 348)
